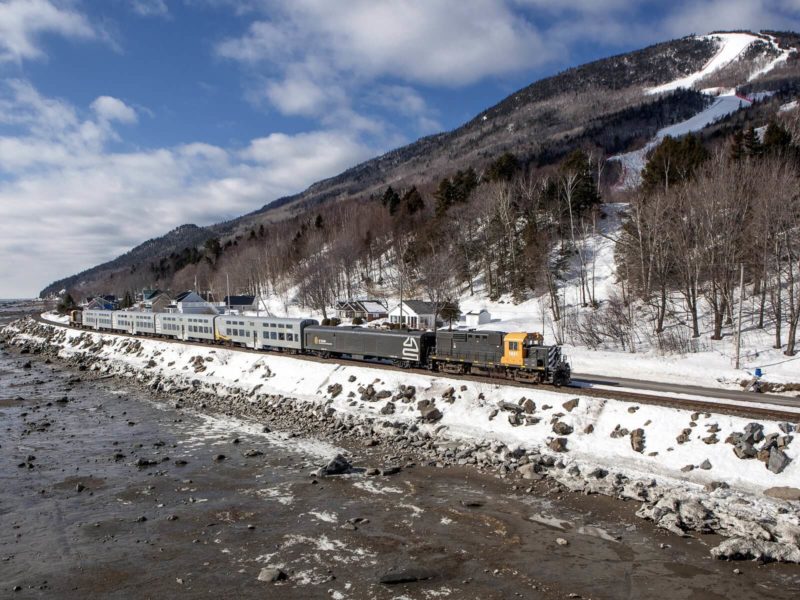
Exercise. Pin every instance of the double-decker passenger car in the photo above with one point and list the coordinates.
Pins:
(187, 327)
(270, 333)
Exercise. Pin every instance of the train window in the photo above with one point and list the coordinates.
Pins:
(290, 327)
(513, 346)
(272, 335)
(281, 337)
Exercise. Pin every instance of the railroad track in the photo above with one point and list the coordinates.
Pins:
(742, 409)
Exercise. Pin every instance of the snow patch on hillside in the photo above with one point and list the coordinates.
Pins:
(731, 47)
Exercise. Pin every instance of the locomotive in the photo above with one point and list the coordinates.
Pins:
(520, 356)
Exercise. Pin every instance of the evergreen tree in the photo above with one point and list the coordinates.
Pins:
(673, 161)
(776, 139)
(318, 222)
(736, 148)
(752, 145)
(503, 169)
(127, 300)
(444, 196)
(391, 200)
(584, 193)
(412, 200)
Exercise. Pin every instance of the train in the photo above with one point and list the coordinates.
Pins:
(521, 356)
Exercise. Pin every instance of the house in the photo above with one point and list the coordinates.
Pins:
(155, 301)
(193, 303)
(415, 314)
(240, 303)
(477, 317)
(106, 302)
(366, 310)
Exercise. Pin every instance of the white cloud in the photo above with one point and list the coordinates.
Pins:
(22, 22)
(108, 108)
(150, 8)
(69, 202)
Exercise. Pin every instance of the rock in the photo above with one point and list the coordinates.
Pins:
(351, 379)
(569, 405)
(705, 465)
(562, 542)
(272, 574)
(431, 414)
(791, 494)
(684, 436)
(337, 466)
(737, 548)
(252, 453)
(372, 472)
(335, 389)
(529, 472)
(687, 468)
(493, 414)
(744, 450)
(561, 428)
(637, 440)
(220, 457)
(509, 406)
(716, 485)
(753, 433)
(388, 408)
(711, 439)
(529, 407)
(390, 471)
(514, 420)
(778, 461)
(633, 409)
(383, 394)
(79, 487)
(589, 429)
(558, 444)
(786, 427)
(409, 575)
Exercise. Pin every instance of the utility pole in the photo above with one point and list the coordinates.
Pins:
(739, 325)
(228, 288)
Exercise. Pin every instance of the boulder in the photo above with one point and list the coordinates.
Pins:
(744, 450)
(431, 414)
(337, 466)
(791, 494)
(637, 440)
(388, 409)
(753, 433)
(569, 405)
(737, 548)
(272, 574)
(558, 444)
(705, 465)
(334, 389)
(561, 428)
(778, 461)
(528, 407)
(509, 406)
(529, 472)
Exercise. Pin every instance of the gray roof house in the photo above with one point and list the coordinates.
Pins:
(415, 314)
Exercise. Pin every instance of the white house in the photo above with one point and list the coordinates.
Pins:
(416, 314)
(193, 303)
(477, 317)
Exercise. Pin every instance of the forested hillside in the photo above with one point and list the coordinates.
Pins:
(510, 206)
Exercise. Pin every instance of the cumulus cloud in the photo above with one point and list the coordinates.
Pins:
(23, 22)
(110, 109)
(70, 201)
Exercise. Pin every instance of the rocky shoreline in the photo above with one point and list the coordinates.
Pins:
(757, 528)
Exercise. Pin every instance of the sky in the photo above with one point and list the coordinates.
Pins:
(123, 119)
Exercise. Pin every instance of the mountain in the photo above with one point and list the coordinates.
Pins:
(615, 106)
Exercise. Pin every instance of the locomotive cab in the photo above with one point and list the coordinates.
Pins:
(524, 350)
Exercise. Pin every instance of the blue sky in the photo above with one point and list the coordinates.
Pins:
(121, 119)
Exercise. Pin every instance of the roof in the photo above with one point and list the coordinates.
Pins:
(239, 300)
(477, 312)
(418, 306)
(151, 294)
(189, 296)
(371, 306)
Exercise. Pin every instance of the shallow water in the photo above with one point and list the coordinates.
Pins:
(474, 534)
